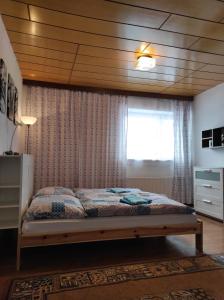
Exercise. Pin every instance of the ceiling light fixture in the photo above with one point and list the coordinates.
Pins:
(145, 62)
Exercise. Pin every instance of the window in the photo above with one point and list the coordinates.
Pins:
(150, 135)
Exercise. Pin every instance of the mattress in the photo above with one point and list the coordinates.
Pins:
(43, 227)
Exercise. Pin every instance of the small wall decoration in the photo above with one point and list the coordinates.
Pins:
(16, 116)
(3, 85)
(11, 99)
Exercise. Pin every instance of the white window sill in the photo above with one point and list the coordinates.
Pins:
(148, 160)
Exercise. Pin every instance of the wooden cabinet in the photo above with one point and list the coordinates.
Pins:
(16, 186)
(208, 191)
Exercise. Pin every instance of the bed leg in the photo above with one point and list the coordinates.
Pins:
(199, 238)
(18, 255)
(18, 260)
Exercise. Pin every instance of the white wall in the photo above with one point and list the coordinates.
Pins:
(6, 126)
(208, 113)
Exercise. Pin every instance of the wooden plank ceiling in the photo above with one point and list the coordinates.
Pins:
(94, 42)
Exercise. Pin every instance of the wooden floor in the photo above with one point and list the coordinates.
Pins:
(90, 255)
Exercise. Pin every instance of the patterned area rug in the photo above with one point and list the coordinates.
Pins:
(188, 278)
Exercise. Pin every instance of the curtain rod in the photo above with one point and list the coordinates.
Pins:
(105, 90)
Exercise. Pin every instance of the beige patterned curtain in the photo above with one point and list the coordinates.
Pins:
(79, 139)
(182, 189)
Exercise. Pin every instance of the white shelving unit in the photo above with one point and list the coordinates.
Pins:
(16, 186)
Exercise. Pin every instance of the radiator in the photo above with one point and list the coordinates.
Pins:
(155, 185)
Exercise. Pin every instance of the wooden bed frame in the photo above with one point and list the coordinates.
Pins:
(103, 235)
(91, 236)
(100, 235)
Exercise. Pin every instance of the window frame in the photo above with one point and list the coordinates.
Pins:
(145, 160)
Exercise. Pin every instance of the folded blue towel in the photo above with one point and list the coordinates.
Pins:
(119, 190)
(135, 200)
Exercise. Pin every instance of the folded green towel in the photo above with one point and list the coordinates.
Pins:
(119, 190)
(134, 200)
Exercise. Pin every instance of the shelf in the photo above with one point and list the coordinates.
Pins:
(16, 175)
(9, 186)
(207, 134)
(11, 156)
(213, 138)
(217, 147)
(9, 224)
(9, 206)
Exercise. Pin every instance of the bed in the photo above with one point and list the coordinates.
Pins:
(58, 216)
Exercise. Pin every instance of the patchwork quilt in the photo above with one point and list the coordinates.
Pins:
(51, 203)
(100, 203)
(54, 207)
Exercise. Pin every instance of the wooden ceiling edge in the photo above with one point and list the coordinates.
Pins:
(162, 11)
(105, 90)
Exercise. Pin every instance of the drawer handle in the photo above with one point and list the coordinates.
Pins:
(207, 201)
(207, 186)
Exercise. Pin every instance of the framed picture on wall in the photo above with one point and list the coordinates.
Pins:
(10, 98)
(3, 86)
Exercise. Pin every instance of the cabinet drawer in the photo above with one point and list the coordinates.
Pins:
(208, 191)
(209, 208)
(212, 200)
(208, 174)
(208, 183)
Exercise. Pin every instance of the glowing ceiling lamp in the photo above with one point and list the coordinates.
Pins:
(145, 62)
